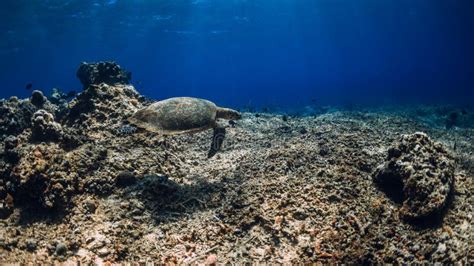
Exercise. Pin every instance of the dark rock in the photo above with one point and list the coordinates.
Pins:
(125, 178)
(419, 173)
(72, 138)
(37, 98)
(303, 130)
(284, 130)
(61, 249)
(90, 206)
(6, 206)
(11, 142)
(323, 151)
(11, 154)
(31, 245)
(102, 72)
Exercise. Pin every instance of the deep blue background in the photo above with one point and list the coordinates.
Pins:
(248, 52)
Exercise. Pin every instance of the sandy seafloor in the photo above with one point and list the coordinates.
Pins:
(292, 191)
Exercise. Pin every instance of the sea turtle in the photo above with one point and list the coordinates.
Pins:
(184, 115)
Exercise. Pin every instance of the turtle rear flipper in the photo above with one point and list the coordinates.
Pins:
(217, 140)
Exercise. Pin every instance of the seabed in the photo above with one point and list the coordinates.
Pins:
(79, 185)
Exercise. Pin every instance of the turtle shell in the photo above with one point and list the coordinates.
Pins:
(176, 116)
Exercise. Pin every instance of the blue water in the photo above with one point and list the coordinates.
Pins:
(248, 52)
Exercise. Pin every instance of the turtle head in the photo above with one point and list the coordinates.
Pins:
(229, 114)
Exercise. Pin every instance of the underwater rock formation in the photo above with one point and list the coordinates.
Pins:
(15, 116)
(47, 176)
(44, 128)
(419, 172)
(10, 149)
(103, 107)
(45, 161)
(109, 73)
(37, 98)
(38, 176)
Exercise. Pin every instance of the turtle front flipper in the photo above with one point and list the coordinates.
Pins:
(226, 113)
(217, 140)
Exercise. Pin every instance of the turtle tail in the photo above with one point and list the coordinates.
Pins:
(229, 114)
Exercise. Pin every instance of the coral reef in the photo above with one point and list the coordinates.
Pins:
(109, 73)
(44, 128)
(39, 178)
(421, 172)
(45, 161)
(15, 116)
(37, 98)
(103, 108)
(78, 184)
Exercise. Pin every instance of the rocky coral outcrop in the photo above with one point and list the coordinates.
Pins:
(44, 128)
(103, 107)
(102, 72)
(15, 116)
(47, 176)
(45, 161)
(418, 172)
(37, 98)
(37, 178)
(10, 152)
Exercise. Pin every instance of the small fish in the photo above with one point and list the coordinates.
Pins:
(464, 112)
(29, 86)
